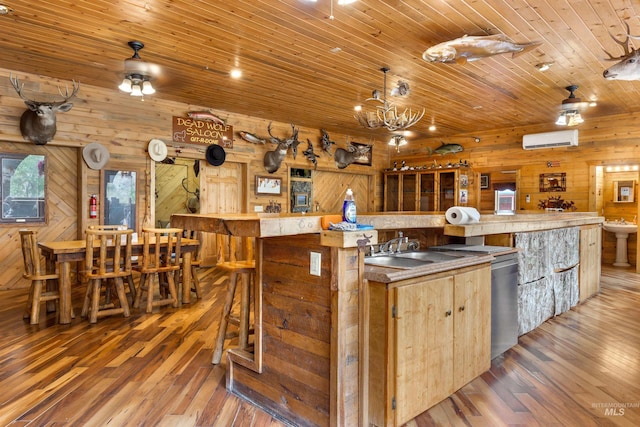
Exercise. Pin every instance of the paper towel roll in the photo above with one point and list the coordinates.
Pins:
(460, 215)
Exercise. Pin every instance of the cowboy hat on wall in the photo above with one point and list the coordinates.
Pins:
(215, 155)
(157, 150)
(95, 155)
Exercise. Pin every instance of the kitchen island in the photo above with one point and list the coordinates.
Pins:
(307, 364)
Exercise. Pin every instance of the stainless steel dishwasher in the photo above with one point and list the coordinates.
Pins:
(504, 293)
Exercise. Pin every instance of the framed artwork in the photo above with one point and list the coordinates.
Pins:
(268, 185)
(484, 181)
(301, 200)
(553, 182)
(365, 159)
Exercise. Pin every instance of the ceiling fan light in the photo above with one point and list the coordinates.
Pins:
(135, 90)
(125, 86)
(562, 120)
(147, 88)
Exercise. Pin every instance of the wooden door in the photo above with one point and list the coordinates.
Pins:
(221, 191)
(424, 358)
(472, 325)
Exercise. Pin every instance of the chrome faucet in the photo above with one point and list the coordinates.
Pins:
(387, 247)
(622, 221)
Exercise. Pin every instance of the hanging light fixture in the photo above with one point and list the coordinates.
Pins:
(570, 109)
(386, 115)
(398, 141)
(137, 78)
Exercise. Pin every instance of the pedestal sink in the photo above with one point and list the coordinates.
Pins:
(622, 231)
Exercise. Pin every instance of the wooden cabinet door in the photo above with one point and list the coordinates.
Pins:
(590, 253)
(472, 328)
(391, 192)
(424, 351)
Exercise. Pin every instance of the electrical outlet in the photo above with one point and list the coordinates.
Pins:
(314, 263)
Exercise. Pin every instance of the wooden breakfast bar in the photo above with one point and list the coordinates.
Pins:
(313, 333)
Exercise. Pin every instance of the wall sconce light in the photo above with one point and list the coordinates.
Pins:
(137, 78)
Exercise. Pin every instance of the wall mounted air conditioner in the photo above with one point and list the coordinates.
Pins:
(563, 138)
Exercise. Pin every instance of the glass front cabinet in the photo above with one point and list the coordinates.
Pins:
(425, 191)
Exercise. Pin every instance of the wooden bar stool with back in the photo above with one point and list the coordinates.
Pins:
(161, 256)
(107, 263)
(44, 286)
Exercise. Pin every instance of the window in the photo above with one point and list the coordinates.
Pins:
(23, 188)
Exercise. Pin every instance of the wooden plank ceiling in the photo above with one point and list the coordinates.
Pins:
(302, 67)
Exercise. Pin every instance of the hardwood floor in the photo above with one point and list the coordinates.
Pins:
(581, 368)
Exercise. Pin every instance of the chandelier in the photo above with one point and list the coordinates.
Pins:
(137, 78)
(570, 109)
(386, 115)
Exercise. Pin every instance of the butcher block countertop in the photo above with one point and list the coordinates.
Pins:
(522, 222)
(271, 225)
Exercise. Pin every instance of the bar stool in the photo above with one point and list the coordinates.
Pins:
(130, 283)
(107, 262)
(245, 271)
(156, 260)
(44, 287)
(196, 261)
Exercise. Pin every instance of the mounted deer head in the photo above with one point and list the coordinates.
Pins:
(273, 159)
(344, 157)
(628, 67)
(38, 122)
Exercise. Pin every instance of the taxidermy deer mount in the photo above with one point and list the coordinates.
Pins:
(273, 159)
(38, 122)
(344, 157)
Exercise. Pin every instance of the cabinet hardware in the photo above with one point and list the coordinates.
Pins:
(447, 313)
(461, 308)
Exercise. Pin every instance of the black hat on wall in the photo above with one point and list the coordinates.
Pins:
(215, 155)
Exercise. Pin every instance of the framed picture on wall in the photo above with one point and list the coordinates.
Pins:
(484, 181)
(268, 185)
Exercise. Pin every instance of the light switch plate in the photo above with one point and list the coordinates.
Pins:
(314, 263)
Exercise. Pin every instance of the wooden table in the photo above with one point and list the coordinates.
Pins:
(65, 252)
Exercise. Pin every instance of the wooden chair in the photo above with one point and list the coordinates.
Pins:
(160, 256)
(245, 271)
(107, 262)
(130, 283)
(44, 286)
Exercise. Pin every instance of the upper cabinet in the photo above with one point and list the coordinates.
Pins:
(426, 191)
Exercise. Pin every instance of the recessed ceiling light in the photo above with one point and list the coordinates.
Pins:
(432, 128)
(335, 50)
(236, 74)
(5, 10)
(544, 66)
(358, 108)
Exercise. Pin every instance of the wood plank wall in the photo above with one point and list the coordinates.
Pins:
(125, 125)
(614, 140)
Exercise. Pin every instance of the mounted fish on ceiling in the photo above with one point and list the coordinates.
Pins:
(471, 48)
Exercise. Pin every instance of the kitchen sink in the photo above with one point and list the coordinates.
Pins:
(407, 260)
(395, 261)
(429, 256)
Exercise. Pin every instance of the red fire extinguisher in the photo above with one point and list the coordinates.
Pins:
(93, 206)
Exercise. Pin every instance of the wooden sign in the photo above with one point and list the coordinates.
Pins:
(201, 132)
